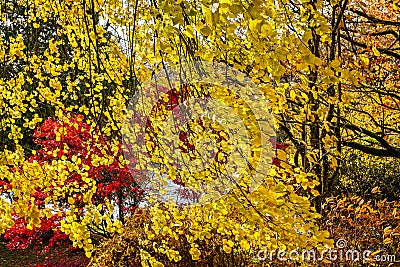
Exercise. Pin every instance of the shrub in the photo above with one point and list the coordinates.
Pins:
(364, 225)
(124, 249)
(361, 174)
(75, 141)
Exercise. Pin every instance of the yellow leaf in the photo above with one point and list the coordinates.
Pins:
(245, 244)
(195, 253)
(314, 192)
(206, 30)
(254, 25)
(364, 59)
(334, 163)
(304, 96)
(266, 30)
(301, 66)
(318, 61)
(326, 126)
(292, 95)
(375, 190)
(329, 72)
(335, 63)
(281, 155)
(71, 200)
(227, 249)
(207, 15)
(307, 36)
(376, 52)
(189, 32)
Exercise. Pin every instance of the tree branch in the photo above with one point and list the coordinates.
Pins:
(375, 20)
(372, 151)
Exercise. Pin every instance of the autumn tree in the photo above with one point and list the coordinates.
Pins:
(316, 71)
(341, 95)
(44, 76)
